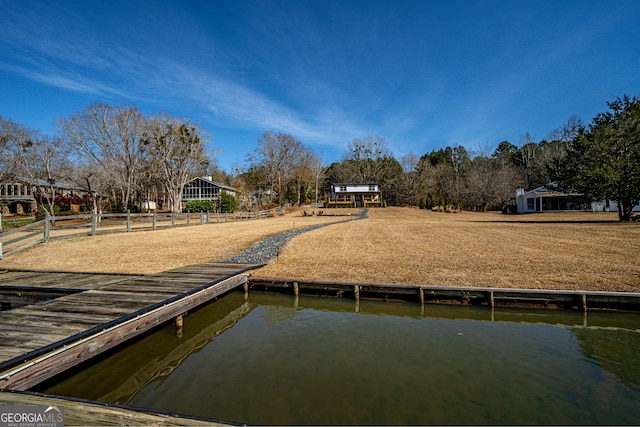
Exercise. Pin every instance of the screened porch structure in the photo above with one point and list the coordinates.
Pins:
(204, 188)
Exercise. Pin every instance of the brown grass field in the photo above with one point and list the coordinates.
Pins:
(578, 251)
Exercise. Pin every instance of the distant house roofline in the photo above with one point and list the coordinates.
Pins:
(210, 180)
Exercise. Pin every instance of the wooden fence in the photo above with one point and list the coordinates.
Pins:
(58, 227)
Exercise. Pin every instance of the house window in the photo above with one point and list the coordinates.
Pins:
(343, 188)
(531, 204)
(372, 188)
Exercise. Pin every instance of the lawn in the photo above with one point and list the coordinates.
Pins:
(580, 251)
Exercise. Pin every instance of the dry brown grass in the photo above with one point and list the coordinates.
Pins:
(148, 252)
(403, 245)
(588, 251)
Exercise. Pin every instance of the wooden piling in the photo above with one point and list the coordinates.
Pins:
(296, 289)
(421, 293)
(492, 302)
(179, 321)
(356, 292)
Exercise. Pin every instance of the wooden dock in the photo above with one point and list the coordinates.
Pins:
(89, 314)
(79, 412)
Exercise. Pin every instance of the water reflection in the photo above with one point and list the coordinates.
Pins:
(276, 359)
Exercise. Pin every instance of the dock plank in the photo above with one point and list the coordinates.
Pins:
(70, 327)
(84, 413)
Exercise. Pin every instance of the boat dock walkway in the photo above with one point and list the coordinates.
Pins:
(64, 319)
(79, 412)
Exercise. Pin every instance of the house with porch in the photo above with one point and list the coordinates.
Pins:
(354, 195)
(204, 188)
(22, 197)
(546, 199)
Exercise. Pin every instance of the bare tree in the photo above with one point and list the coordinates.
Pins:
(176, 149)
(10, 134)
(364, 159)
(488, 182)
(410, 185)
(317, 172)
(529, 159)
(44, 161)
(109, 138)
(275, 157)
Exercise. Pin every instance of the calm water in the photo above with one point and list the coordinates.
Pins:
(277, 360)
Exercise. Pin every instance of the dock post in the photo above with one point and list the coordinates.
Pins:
(421, 293)
(583, 302)
(492, 302)
(245, 288)
(179, 322)
(296, 289)
(356, 292)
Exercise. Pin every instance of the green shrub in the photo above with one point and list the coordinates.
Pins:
(228, 203)
(200, 206)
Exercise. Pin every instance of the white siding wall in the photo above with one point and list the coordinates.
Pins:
(355, 188)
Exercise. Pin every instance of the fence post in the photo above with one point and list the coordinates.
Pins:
(173, 218)
(47, 226)
(188, 218)
(226, 217)
(93, 223)
(217, 217)
(154, 221)
(128, 220)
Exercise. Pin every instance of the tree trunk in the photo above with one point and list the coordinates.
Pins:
(627, 210)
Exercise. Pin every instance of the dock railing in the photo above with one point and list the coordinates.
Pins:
(58, 227)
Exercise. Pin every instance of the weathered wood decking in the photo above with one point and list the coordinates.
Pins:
(97, 313)
(78, 412)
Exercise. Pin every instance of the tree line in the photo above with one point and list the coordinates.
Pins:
(115, 154)
(122, 158)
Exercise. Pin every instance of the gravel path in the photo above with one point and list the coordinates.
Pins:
(269, 247)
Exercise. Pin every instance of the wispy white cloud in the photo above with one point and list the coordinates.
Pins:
(81, 61)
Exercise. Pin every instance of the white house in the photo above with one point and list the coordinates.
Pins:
(204, 188)
(354, 195)
(544, 199)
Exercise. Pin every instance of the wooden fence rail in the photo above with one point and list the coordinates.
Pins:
(58, 227)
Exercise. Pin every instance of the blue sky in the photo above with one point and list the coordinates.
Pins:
(422, 74)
